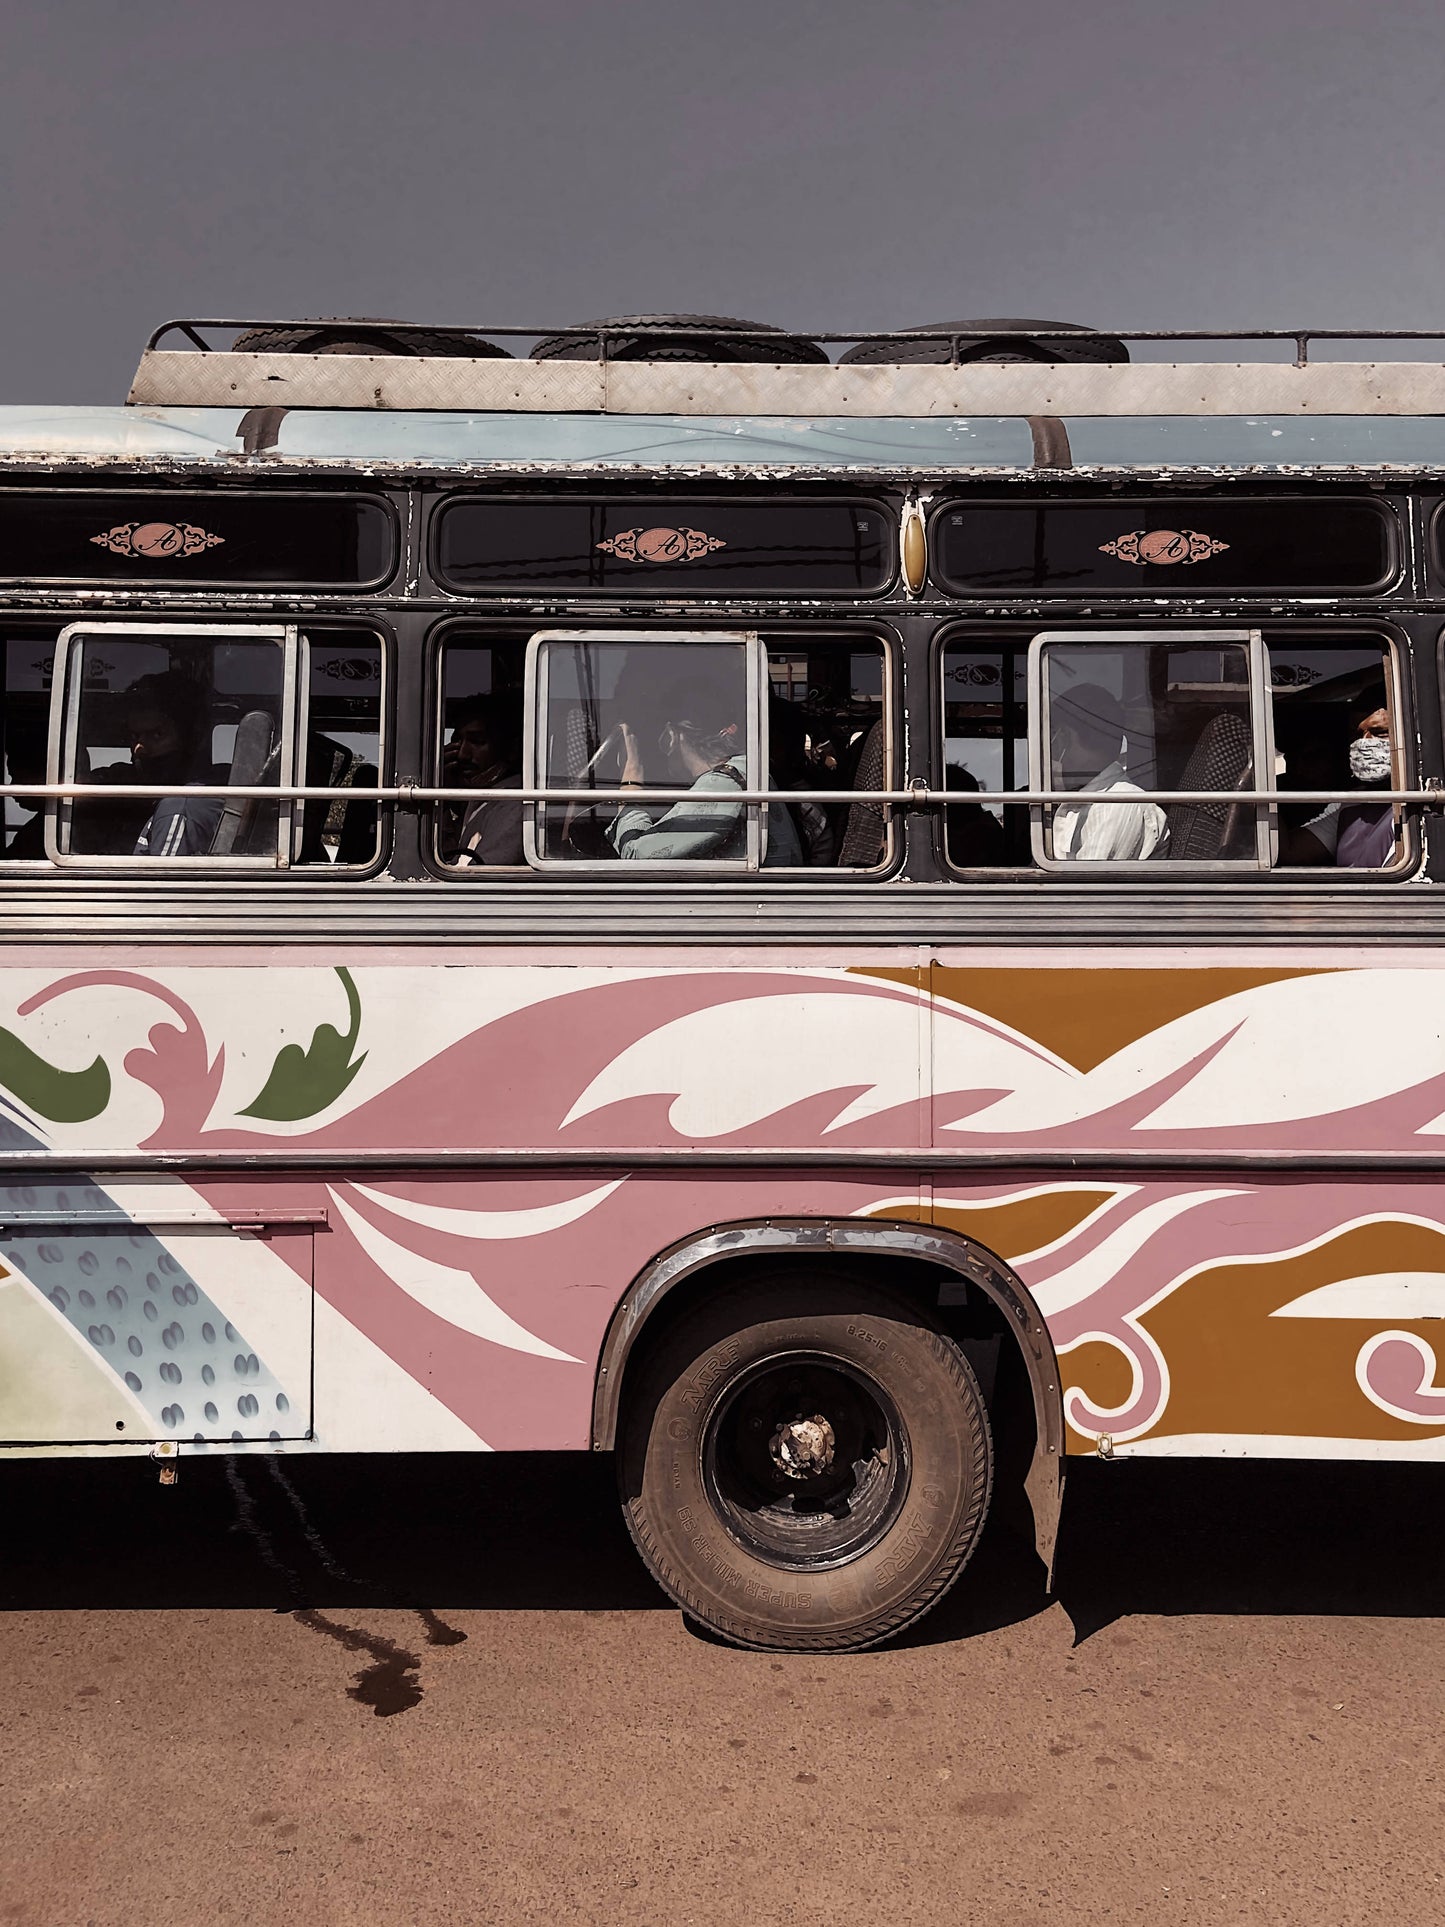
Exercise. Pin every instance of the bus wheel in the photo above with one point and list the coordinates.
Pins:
(806, 1463)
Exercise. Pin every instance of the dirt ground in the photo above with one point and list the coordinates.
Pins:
(400, 1692)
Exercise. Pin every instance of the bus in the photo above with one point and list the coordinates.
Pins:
(841, 919)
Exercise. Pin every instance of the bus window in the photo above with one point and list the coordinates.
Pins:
(479, 747)
(1121, 718)
(985, 747)
(648, 711)
(686, 705)
(826, 729)
(341, 732)
(1334, 712)
(168, 709)
(28, 664)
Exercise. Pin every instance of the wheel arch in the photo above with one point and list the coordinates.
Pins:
(875, 1238)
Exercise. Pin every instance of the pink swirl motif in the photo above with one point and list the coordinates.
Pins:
(1396, 1371)
(174, 1062)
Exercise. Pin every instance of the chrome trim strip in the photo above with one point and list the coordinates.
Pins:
(693, 1157)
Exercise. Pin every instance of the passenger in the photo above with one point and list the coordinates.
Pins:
(976, 838)
(25, 748)
(1087, 727)
(166, 723)
(485, 753)
(707, 756)
(1355, 836)
(791, 764)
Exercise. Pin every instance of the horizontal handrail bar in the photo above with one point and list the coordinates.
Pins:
(919, 796)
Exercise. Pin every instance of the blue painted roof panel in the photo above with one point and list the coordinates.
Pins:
(439, 440)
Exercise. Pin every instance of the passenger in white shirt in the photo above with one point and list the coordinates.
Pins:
(1087, 729)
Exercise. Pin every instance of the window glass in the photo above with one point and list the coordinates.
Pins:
(1124, 718)
(985, 745)
(1132, 718)
(480, 748)
(167, 710)
(342, 746)
(826, 728)
(1176, 545)
(217, 536)
(1334, 729)
(636, 712)
(29, 662)
(675, 713)
(777, 546)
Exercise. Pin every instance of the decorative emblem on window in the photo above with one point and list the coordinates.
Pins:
(1163, 546)
(661, 545)
(347, 668)
(164, 539)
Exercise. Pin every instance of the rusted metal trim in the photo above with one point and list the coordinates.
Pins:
(1051, 442)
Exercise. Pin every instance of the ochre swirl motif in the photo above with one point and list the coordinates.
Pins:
(1238, 1358)
(1164, 547)
(157, 539)
(661, 545)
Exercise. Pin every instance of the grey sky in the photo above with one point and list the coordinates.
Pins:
(1138, 162)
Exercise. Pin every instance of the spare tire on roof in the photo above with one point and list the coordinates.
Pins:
(990, 341)
(362, 335)
(654, 337)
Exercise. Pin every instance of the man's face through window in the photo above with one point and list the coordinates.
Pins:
(156, 742)
(471, 750)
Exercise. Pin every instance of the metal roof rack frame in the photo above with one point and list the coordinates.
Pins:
(203, 374)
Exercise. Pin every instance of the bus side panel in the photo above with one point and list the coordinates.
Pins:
(1225, 1311)
(471, 1217)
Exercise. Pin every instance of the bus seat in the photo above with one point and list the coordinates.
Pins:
(251, 758)
(866, 830)
(584, 825)
(1222, 759)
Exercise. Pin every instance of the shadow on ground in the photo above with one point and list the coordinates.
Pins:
(544, 1532)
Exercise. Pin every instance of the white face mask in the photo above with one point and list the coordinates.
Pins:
(1370, 759)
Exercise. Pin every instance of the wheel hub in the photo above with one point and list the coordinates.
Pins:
(803, 1447)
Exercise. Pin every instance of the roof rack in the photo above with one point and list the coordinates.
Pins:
(206, 373)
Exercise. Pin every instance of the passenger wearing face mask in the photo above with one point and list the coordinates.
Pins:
(707, 755)
(1355, 836)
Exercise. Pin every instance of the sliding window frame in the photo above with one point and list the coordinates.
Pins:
(534, 713)
(66, 690)
(1262, 749)
(309, 635)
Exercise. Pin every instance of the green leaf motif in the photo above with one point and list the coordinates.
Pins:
(303, 1082)
(64, 1097)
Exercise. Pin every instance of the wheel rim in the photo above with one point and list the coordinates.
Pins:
(805, 1460)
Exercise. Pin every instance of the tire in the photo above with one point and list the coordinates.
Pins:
(987, 341)
(806, 1464)
(654, 340)
(362, 336)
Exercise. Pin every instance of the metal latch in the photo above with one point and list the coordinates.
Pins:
(167, 1452)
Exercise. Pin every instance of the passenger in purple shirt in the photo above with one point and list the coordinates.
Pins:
(1355, 836)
